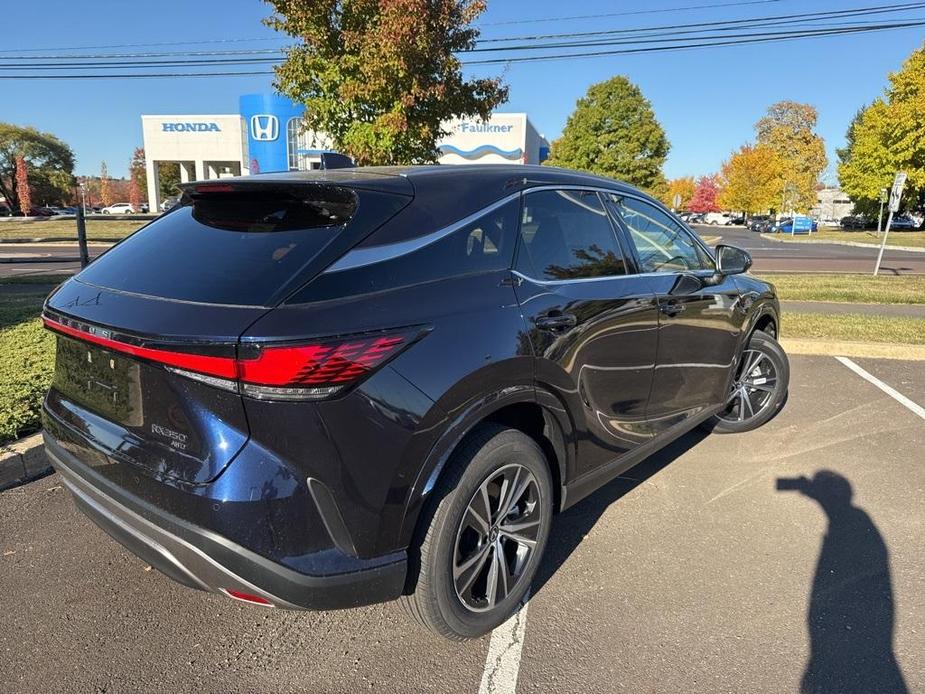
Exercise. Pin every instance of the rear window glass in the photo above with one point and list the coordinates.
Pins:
(226, 248)
(484, 245)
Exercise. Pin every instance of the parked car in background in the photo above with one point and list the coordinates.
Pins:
(804, 225)
(5, 211)
(119, 208)
(359, 385)
(760, 223)
(854, 222)
(696, 218)
(716, 218)
(169, 202)
(737, 220)
(903, 223)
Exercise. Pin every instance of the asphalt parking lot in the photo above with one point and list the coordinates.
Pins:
(693, 573)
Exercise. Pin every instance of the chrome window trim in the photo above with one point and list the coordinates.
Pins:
(361, 257)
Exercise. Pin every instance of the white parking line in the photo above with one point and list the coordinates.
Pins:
(502, 664)
(915, 408)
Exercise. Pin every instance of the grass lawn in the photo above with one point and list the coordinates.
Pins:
(896, 238)
(854, 328)
(27, 355)
(865, 289)
(66, 229)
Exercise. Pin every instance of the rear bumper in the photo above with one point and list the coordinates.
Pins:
(200, 558)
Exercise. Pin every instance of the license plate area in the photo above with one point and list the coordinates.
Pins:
(105, 382)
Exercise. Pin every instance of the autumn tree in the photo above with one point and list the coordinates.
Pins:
(138, 183)
(49, 161)
(22, 186)
(684, 187)
(751, 180)
(613, 132)
(705, 195)
(888, 136)
(105, 188)
(789, 130)
(380, 77)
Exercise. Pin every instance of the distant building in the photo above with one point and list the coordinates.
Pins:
(832, 203)
(266, 135)
(505, 138)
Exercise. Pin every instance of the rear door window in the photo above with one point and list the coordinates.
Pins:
(236, 247)
(565, 235)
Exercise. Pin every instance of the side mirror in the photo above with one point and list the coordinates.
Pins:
(731, 260)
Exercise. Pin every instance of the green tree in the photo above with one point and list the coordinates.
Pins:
(50, 163)
(613, 132)
(751, 180)
(789, 129)
(168, 176)
(888, 136)
(380, 77)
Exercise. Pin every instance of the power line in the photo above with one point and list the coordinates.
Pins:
(760, 38)
(142, 45)
(632, 12)
(828, 14)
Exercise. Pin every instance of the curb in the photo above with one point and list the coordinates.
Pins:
(855, 244)
(22, 461)
(29, 259)
(870, 350)
(98, 240)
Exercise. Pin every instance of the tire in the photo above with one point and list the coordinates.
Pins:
(449, 539)
(766, 355)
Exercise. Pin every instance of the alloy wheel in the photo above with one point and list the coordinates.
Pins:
(753, 390)
(496, 538)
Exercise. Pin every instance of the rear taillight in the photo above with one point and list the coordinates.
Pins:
(311, 371)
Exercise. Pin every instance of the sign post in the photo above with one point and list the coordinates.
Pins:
(884, 193)
(676, 202)
(896, 194)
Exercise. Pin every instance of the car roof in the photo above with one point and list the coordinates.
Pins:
(397, 178)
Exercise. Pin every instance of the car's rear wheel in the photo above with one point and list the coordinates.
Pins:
(759, 389)
(484, 535)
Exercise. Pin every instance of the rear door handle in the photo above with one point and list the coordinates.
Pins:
(671, 308)
(556, 322)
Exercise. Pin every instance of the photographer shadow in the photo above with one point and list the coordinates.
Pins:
(851, 608)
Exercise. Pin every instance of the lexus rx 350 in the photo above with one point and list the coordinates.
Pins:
(327, 389)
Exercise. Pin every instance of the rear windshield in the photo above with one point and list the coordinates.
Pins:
(228, 247)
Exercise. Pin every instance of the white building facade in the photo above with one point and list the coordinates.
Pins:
(267, 136)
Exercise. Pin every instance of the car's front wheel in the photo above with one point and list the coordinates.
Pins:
(484, 535)
(759, 389)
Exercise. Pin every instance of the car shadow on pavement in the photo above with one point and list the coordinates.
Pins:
(851, 608)
(570, 527)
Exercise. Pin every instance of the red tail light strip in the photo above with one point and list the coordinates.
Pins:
(285, 372)
(223, 367)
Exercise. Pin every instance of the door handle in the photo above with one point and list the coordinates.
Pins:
(671, 308)
(556, 322)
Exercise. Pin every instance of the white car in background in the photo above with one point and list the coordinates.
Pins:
(716, 218)
(119, 208)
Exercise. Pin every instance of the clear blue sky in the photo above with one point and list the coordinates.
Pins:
(707, 100)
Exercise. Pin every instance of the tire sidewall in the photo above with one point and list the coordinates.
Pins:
(770, 347)
(505, 448)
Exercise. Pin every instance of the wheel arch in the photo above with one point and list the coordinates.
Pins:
(523, 409)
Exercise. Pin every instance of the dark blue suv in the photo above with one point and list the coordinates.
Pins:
(322, 390)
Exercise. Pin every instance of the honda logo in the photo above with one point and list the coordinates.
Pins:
(264, 128)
